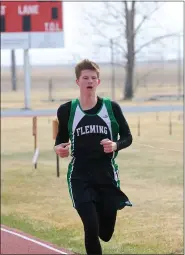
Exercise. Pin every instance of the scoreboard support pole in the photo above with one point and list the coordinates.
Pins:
(27, 79)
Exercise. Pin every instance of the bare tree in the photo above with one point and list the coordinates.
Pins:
(128, 19)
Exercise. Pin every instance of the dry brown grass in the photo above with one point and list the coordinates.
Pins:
(160, 80)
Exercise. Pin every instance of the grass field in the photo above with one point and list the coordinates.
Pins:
(151, 174)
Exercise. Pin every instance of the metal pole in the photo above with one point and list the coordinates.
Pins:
(35, 135)
(58, 170)
(13, 69)
(55, 131)
(138, 127)
(27, 79)
(179, 66)
(50, 90)
(113, 71)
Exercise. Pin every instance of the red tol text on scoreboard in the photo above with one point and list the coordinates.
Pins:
(31, 16)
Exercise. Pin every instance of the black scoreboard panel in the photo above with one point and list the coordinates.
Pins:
(26, 23)
(54, 13)
(2, 23)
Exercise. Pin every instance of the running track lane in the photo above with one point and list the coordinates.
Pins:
(16, 242)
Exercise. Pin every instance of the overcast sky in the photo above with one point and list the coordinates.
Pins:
(168, 19)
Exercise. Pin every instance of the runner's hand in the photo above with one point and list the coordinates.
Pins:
(62, 150)
(108, 145)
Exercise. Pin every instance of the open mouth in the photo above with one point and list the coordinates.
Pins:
(89, 87)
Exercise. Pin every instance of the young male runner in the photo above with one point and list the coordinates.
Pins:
(93, 125)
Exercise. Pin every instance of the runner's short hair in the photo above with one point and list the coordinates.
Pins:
(86, 65)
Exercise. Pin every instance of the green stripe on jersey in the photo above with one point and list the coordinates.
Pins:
(71, 136)
(114, 123)
(74, 104)
(115, 132)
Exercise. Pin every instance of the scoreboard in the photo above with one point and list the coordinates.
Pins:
(31, 24)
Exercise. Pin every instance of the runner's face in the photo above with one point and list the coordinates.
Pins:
(88, 82)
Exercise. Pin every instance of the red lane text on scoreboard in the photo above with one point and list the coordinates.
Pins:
(31, 16)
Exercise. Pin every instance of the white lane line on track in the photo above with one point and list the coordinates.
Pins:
(33, 241)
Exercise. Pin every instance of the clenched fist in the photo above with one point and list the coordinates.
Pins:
(62, 150)
(108, 145)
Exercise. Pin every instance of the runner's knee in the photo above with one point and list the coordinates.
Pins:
(106, 234)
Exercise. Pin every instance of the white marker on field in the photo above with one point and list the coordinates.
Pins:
(35, 156)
